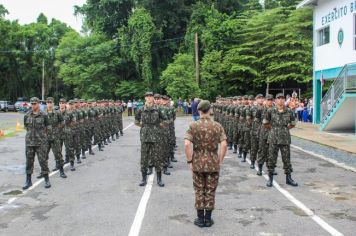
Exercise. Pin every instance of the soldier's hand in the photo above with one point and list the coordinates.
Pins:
(268, 126)
(290, 126)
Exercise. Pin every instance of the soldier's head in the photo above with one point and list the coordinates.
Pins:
(245, 100)
(239, 100)
(235, 100)
(251, 100)
(35, 104)
(70, 105)
(259, 99)
(157, 99)
(269, 100)
(280, 100)
(149, 98)
(165, 100)
(49, 102)
(62, 104)
(204, 107)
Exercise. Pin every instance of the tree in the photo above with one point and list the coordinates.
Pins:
(179, 77)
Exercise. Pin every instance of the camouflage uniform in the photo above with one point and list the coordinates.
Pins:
(205, 135)
(69, 135)
(256, 116)
(55, 120)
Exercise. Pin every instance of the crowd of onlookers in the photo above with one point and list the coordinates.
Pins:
(303, 109)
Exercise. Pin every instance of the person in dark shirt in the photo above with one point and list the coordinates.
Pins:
(195, 112)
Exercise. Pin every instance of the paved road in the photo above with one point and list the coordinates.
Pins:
(102, 197)
(8, 120)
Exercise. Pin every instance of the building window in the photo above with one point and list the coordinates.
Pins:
(324, 36)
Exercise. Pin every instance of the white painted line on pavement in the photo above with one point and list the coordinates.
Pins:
(38, 182)
(304, 208)
(140, 213)
(330, 160)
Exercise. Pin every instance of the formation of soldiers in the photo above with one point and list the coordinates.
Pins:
(158, 141)
(258, 126)
(77, 125)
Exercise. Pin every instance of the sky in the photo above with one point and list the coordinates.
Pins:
(27, 11)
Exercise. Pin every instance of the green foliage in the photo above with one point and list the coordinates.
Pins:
(179, 77)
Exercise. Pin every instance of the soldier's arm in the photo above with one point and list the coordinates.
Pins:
(25, 121)
(267, 119)
(293, 122)
(138, 118)
(188, 140)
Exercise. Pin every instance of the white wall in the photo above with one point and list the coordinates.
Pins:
(332, 55)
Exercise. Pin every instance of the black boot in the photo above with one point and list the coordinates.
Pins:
(91, 151)
(240, 153)
(56, 167)
(244, 155)
(61, 172)
(208, 221)
(72, 168)
(150, 170)
(270, 180)
(78, 159)
(166, 171)
(230, 146)
(259, 172)
(105, 143)
(108, 140)
(290, 181)
(100, 147)
(235, 148)
(159, 179)
(113, 138)
(28, 182)
(144, 179)
(173, 159)
(83, 154)
(170, 165)
(275, 172)
(200, 220)
(121, 133)
(46, 179)
(40, 176)
(252, 166)
(66, 159)
(117, 136)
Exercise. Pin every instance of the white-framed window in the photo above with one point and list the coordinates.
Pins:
(324, 36)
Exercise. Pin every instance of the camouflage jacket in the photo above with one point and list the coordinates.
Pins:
(150, 118)
(263, 130)
(69, 120)
(36, 126)
(256, 117)
(55, 121)
(205, 135)
(279, 133)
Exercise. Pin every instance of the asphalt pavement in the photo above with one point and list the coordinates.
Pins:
(102, 196)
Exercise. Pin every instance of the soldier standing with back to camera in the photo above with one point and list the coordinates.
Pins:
(279, 120)
(205, 161)
(36, 125)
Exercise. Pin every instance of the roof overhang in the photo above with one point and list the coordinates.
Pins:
(307, 3)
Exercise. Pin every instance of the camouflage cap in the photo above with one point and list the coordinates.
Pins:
(235, 98)
(71, 102)
(62, 100)
(50, 99)
(251, 97)
(148, 94)
(280, 95)
(165, 97)
(204, 105)
(245, 97)
(157, 95)
(269, 97)
(259, 96)
(82, 100)
(239, 98)
(34, 100)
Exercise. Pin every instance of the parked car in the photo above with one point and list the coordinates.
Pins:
(22, 106)
(7, 106)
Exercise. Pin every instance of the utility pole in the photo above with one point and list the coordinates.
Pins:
(196, 42)
(43, 79)
(267, 90)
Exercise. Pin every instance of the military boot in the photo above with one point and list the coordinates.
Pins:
(46, 179)
(56, 166)
(91, 151)
(105, 143)
(121, 133)
(173, 159)
(100, 147)
(244, 155)
(275, 172)
(159, 179)
(259, 172)
(150, 170)
(270, 180)
(235, 148)
(28, 182)
(208, 221)
(166, 171)
(113, 138)
(144, 179)
(72, 168)
(78, 159)
(252, 166)
(170, 165)
(108, 140)
(61, 172)
(83, 154)
(117, 136)
(230, 146)
(290, 181)
(240, 153)
(200, 220)
(66, 159)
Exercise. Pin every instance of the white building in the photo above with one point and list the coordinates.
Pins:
(334, 52)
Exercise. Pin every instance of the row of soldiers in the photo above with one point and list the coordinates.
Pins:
(259, 126)
(77, 125)
(157, 135)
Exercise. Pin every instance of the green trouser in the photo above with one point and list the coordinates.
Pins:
(55, 145)
(41, 152)
(150, 155)
(273, 154)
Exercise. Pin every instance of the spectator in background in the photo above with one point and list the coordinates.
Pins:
(134, 106)
(299, 111)
(294, 94)
(180, 104)
(189, 106)
(195, 112)
(310, 109)
(305, 114)
(185, 107)
(139, 104)
(129, 108)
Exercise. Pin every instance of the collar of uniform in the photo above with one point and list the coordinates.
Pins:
(205, 118)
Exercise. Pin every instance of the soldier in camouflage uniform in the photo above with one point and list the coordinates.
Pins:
(235, 118)
(150, 118)
(120, 111)
(69, 135)
(244, 129)
(205, 135)
(36, 125)
(171, 127)
(279, 120)
(263, 135)
(54, 133)
(256, 116)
